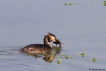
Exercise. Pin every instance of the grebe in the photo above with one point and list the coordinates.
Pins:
(56, 40)
(40, 48)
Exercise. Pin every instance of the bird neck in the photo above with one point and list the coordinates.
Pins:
(46, 41)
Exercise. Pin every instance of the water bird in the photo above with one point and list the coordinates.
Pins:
(41, 48)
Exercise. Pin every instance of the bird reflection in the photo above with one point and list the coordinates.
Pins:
(48, 56)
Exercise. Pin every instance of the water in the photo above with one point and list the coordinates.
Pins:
(80, 27)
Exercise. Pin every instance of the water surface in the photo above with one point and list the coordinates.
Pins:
(81, 28)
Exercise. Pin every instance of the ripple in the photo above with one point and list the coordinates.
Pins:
(12, 59)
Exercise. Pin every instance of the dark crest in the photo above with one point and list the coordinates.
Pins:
(45, 39)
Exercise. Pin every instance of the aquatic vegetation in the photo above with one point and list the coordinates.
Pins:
(70, 3)
(59, 61)
(63, 56)
(65, 4)
(82, 54)
(104, 3)
(89, 3)
(93, 59)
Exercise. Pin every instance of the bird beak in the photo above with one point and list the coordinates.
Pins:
(57, 42)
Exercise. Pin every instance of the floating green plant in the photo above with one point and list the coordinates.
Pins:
(67, 57)
(70, 4)
(65, 4)
(60, 56)
(105, 3)
(64, 56)
(59, 61)
(93, 59)
(82, 54)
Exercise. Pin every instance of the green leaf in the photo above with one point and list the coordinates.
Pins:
(93, 59)
(59, 61)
